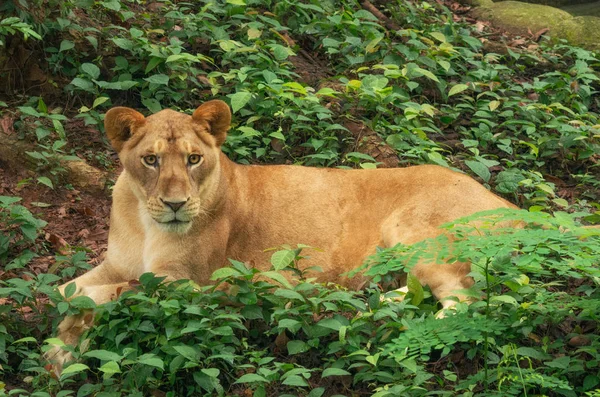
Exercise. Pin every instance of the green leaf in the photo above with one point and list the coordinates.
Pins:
(45, 181)
(99, 101)
(123, 43)
(91, 70)
(493, 105)
(251, 378)
(318, 392)
(189, 352)
(93, 41)
(151, 360)
(423, 72)
(152, 104)
(438, 36)
(560, 363)
(281, 52)
(84, 84)
(533, 353)
(161, 79)
(479, 169)
(111, 367)
(73, 369)
(334, 372)
(117, 85)
(239, 100)
(154, 62)
(282, 259)
(504, 299)
(289, 294)
(212, 372)
(83, 302)
(103, 355)
(25, 340)
(114, 5)
(66, 45)
(295, 380)
(288, 323)
(458, 88)
(28, 110)
(297, 346)
(415, 287)
(70, 290)
(224, 273)
(55, 341)
(277, 277)
(8, 200)
(62, 307)
(330, 323)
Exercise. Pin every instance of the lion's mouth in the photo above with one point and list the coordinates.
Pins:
(175, 222)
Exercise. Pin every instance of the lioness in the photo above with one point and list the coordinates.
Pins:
(181, 208)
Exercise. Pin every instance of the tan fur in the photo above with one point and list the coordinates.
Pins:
(237, 211)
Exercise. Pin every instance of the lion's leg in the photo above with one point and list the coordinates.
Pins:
(101, 285)
(443, 279)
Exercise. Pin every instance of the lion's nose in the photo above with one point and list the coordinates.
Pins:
(174, 205)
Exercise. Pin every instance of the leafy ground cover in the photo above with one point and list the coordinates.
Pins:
(320, 83)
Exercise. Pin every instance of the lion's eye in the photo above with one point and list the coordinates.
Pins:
(194, 159)
(150, 160)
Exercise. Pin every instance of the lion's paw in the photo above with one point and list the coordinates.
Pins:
(69, 332)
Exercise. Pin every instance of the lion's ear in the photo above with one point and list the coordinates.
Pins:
(119, 123)
(217, 115)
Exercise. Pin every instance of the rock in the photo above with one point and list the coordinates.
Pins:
(582, 31)
(524, 19)
(85, 177)
(79, 173)
(555, 3)
(579, 341)
(479, 3)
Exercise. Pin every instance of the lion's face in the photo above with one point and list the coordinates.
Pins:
(173, 159)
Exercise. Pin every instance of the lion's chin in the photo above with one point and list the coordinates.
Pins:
(175, 226)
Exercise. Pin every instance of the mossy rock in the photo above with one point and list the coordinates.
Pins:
(554, 3)
(582, 31)
(520, 18)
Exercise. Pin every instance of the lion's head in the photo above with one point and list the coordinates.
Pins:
(173, 158)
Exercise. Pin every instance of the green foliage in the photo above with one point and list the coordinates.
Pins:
(516, 272)
(268, 335)
(12, 25)
(20, 230)
(432, 92)
(50, 136)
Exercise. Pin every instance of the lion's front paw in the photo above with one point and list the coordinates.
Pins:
(58, 356)
(69, 332)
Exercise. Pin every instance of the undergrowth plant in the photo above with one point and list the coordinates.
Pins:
(268, 334)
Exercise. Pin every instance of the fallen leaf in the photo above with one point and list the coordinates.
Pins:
(539, 34)
(83, 233)
(579, 341)
(6, 125)
(60, 244)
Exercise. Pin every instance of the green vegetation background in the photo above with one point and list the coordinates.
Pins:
(522, 119)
